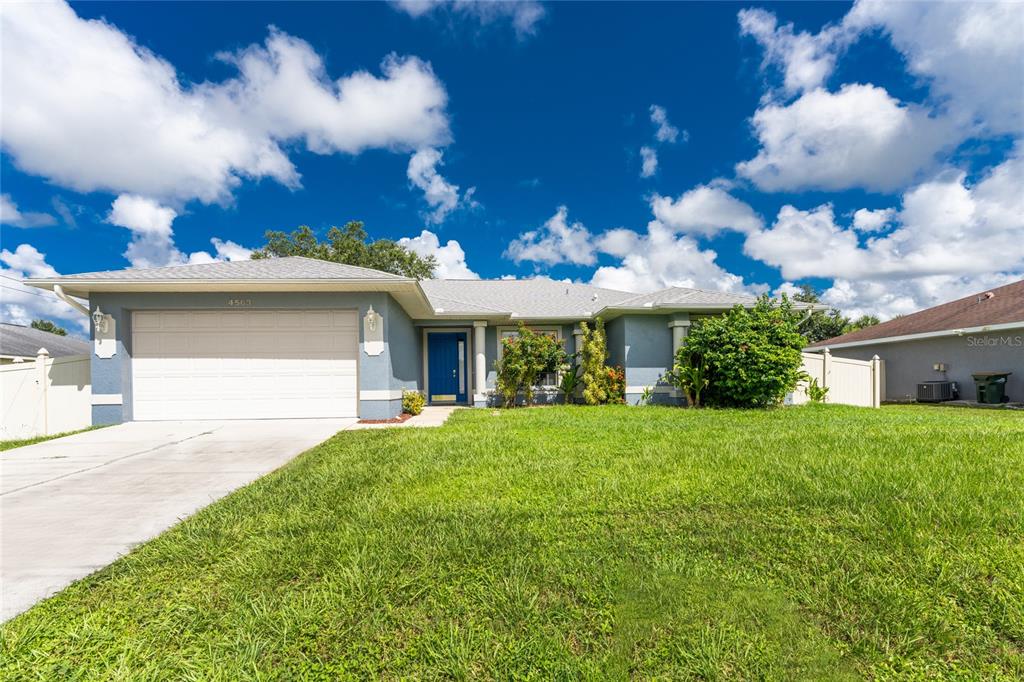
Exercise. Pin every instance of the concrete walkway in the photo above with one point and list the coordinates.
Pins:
(73, 505)
(432, 415)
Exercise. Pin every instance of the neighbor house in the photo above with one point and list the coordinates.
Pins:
(21, 344)
(983, 332)
(296, 337)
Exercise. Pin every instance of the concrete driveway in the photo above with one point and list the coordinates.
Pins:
(73, 505)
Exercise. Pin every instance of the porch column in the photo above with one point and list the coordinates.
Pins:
(480, 367)
(577, 337)
(680, 330)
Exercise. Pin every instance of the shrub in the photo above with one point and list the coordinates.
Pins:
(751, 357)
(690, 376)
(815, 392)
(523, 360)
(413, 402)
(570, 382)
(601, 384)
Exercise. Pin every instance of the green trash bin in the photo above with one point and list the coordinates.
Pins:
(991, 386)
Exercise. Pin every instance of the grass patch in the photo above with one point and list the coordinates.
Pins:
(11, 444)
(819, 542)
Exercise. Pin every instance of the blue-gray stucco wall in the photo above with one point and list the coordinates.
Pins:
(647, 355)
(398, 367)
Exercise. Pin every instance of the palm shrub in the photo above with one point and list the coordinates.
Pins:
(690, 375)
(570, 380)
(751, 358)
(523, 360)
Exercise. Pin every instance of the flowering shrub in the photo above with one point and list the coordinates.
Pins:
(601, 384)
(413, 402)
(524, 359)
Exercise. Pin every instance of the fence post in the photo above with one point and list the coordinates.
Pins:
(876, 381)
(41, 356)
(826, 370)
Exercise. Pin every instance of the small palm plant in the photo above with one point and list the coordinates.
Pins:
(689, 375)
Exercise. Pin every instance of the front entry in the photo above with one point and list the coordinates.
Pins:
(447, 367)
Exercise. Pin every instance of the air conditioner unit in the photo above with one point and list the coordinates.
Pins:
(936, 391)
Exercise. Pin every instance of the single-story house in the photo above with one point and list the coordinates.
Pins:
(297, 337)
(983, 332)
(22, 344)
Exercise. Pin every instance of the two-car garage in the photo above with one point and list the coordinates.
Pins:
(244, 364)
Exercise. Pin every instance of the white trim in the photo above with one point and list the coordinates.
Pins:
(655, 389)
(382, 394)
(107, 399)
(923, 335)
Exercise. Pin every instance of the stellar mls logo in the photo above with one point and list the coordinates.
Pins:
(993, 341)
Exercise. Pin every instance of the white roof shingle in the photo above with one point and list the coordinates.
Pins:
(527, 298)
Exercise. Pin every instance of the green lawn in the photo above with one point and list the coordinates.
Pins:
(11, 444)
(818, 543)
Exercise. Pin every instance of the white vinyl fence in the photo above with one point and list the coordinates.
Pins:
(849, 382)
(45, 396)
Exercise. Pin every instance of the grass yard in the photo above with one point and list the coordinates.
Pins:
(819, 542)
(11, 444)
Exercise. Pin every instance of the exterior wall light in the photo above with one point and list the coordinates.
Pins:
(99, 320)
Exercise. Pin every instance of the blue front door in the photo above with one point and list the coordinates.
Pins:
(446, 369)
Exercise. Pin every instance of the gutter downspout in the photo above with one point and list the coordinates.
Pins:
(57, 289)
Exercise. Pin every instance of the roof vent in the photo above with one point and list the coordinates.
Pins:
(986, 296)
(594, 297)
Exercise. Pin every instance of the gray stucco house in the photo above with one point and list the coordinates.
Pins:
(983, 332)
(296, 337)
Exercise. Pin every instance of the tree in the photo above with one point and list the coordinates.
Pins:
(47, 326)
(349, 245)
(750, 358)
(825, 324)
(862, 322)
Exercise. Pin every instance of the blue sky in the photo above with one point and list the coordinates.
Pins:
(870, 150)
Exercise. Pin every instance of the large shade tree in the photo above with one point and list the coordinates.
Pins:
(48, 326)
(349, 245)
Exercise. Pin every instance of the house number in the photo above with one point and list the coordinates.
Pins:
(239, 301)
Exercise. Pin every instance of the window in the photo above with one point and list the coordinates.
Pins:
(550, 379)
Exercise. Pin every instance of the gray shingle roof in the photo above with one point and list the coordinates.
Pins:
(534, 298)
(25, 342)
(290, 267)
(682, 297)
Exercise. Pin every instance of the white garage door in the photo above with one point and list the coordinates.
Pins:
(244, 364)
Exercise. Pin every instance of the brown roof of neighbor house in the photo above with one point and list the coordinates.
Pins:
(997, 306)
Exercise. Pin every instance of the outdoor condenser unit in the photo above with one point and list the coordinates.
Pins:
(936, 391)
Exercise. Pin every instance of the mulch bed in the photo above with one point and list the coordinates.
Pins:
(396, 420)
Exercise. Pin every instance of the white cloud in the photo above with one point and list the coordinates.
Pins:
(522, 14)
(557, 241)
(649, 159)
(660, 259)
(451, 259)
(970, 53)
(705, 210)
(806, 60)
(22, 304)
(439, 194)
(152, 244)
(857, 137)
(12, 217)
(88, 108)
(868, 220)
(949, 236)
(666, 131)
(889, 298)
